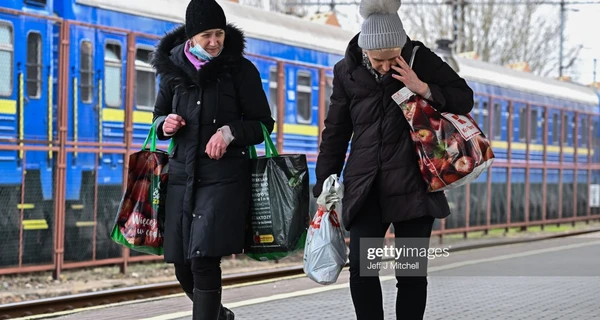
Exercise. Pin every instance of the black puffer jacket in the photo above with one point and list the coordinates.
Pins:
(382, 153)
(208, 200)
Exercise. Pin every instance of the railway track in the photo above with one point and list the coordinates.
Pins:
(83, 300)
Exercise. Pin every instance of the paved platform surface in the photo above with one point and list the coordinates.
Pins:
(550, 279)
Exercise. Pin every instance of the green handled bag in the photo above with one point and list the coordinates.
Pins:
(279, 215)
(139, 224)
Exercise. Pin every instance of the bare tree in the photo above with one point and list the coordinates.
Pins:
(498, 32)
(292, 7)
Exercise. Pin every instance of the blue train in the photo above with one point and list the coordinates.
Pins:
(98, 44)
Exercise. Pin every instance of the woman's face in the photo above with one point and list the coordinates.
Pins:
(211, 40)
(383, 60)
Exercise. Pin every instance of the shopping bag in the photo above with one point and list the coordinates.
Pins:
(451, 149)
(139, 224)
(325, 252)
(279, 217)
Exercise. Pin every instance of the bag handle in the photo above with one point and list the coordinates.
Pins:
(152, 138)
(270, 149)
(412, 58)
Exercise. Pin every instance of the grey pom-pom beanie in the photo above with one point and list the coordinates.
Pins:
(382, 27)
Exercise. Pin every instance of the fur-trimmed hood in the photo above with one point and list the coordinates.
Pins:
(171, 64)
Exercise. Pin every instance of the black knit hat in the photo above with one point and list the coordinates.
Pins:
(202, 15)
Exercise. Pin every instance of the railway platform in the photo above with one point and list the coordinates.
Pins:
(550, 279)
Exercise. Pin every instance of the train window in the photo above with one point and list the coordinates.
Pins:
(36, 2)
(565, 129)
(328, 93)
(555, 130)
(273, 91)
(584, 131)
(523, 124)
(304, 97)
(112, 75)
(34, 65)
(86, 71)
(497, 121)
(534, 125)
(485, 116)
(145, 80)
(6, 60)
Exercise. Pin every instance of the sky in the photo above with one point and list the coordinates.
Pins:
(582, 27)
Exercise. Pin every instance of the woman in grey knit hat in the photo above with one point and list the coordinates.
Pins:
(382, 180)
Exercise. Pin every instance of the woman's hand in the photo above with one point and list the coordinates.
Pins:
(409, 77)
(172, 123)
(216, 146)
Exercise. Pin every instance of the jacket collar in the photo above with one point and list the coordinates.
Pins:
(171, 64)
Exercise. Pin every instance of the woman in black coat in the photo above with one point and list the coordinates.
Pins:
(211, 102)
(382, 180)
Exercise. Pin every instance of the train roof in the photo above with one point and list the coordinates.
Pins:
(287, 29)
(256, 22)
(493, 74)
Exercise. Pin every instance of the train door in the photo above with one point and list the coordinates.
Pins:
(83, 127)
(145, 95)
(35, 112)
(111, 56)
(11, 176)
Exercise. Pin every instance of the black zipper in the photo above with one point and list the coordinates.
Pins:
(381, 115)
(217, 104)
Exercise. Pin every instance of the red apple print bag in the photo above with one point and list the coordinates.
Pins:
(139, 224)
(452, 150)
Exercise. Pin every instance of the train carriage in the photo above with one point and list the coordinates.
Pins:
(552, 126)
(28, 51)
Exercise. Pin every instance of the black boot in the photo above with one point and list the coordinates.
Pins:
(207, 304)
(226, 314)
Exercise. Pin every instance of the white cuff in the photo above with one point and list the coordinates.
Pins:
(428, 94)
(226, 133)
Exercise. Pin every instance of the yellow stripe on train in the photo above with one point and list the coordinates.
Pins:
(117, 115)
(8, 106)
(145, 117)
(539, 147)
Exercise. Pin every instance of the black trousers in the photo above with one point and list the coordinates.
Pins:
(366, 292)
(202, 274)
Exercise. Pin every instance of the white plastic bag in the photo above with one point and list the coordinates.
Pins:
(325, 252)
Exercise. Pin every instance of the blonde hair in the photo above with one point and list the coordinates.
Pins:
(383, 49)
